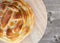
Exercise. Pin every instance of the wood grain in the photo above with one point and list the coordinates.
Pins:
(53, 29)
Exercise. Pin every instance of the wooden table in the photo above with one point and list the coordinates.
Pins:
(53, 29)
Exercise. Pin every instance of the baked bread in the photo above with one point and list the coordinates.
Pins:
(16, 20)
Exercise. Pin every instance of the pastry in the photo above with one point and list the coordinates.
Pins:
(16, 20)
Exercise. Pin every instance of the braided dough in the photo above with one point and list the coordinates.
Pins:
(16, 20)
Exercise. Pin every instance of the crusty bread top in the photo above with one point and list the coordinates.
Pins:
(16, 20)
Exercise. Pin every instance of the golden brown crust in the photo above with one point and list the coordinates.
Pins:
(17, 20)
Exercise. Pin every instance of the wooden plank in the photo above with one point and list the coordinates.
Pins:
(53, 28)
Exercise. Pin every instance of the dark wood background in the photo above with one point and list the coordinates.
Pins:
(52, 34)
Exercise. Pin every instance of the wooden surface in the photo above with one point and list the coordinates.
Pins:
(53, 29)
(40, 21)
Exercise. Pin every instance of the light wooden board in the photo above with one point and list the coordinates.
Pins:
(40, 21)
